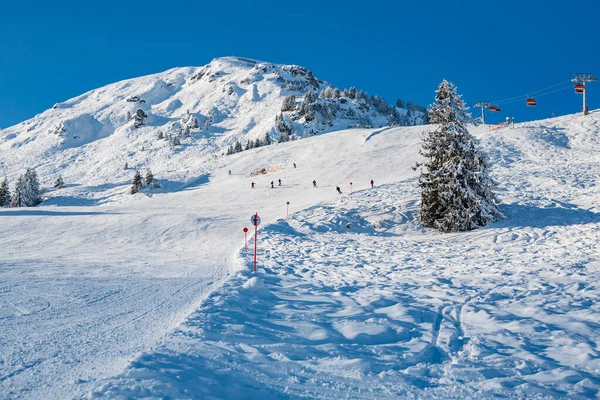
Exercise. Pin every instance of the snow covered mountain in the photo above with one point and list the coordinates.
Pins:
(170, 121)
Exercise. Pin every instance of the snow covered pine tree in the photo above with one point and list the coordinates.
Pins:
(27, 190)
(136, 183)
(456, 190)
(4, 194)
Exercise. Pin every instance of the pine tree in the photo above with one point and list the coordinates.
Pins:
(238, 146)
(31, 192)
(289, 103)
(456, 190)
(4, 194)
(257, 143)
(136, 183)
(150, 181)
(267, 141)
(284, 137)
(17, 198)
(139, 117)
(59, 183)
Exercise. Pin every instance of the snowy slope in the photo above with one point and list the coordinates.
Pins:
(133, 299)
(386, 309)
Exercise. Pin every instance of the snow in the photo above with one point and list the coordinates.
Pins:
(109, 295)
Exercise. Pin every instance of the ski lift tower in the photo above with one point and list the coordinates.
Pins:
(483, 105)
(582, 79)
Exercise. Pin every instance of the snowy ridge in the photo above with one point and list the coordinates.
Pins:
(89, 139)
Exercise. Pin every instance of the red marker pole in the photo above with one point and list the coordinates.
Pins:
(350, 187)
(255, 236)
(246, 238)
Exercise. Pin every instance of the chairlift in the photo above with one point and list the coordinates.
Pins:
(494, 109)
(531, 102)
(579, 88)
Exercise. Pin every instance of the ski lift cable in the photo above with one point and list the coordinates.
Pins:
(539, 95)
(516, 98)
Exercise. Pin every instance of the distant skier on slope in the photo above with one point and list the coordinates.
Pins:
(279, 182)
(252, 185)
(314, 183)
(338, 189)
(294, 165)
(372, 182)
(272, 185)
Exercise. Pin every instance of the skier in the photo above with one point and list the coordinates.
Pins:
(338, 189)
(229, 172)
(252, 185)
(280, 182)
(372, 182)
(272, 186)
(315, 183)
(294, 165)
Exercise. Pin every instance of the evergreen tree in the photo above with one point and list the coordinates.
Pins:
(267, 141)
(284, 137)
(238, 146)
(59, 183)
(289, 103)
(456, 190)
(4, 194)
(31, 191)
(352, 93)
(136, 183)
(150, 181)
(17, 198)
(140, 115)
(257, 143)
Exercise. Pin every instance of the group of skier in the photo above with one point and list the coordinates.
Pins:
(314, 182)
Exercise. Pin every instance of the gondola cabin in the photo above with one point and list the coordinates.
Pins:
(579, 88)
(531, 102)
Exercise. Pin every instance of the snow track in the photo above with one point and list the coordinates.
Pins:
(353, 298)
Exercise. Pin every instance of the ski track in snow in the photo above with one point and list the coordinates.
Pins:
(352, 299)
(383, 308)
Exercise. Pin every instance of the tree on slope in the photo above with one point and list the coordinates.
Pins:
(136, 183)
(457, 193)
(4, 194)
(59, 184)
(27, 191)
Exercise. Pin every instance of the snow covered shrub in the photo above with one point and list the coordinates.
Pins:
(59, 183)
(140, 115)
(457, 193)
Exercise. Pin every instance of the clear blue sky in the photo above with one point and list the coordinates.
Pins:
(54, 50)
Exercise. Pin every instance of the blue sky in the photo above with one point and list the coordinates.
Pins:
(52, 51)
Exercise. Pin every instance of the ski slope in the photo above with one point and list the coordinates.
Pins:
(152, 295)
